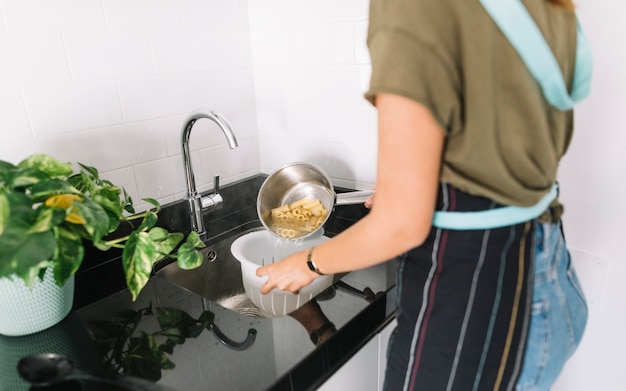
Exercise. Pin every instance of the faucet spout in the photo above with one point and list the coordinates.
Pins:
(196, 203)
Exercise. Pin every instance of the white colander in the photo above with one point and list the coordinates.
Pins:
(260, 248)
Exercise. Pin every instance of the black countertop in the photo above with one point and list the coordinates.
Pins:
(106, 331)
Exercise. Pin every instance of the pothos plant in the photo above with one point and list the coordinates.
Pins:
(126, 348)
(48, 212)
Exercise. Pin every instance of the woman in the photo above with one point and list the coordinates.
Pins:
(462, 127)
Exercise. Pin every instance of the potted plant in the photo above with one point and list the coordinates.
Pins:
(48, 213)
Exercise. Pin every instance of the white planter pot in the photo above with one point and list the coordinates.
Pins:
(29, 310)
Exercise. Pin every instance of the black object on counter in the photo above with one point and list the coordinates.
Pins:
(48, 369)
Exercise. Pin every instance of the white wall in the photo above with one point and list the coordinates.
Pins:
(108, 83)
(594, 184)
(311, 68)
(309, 87)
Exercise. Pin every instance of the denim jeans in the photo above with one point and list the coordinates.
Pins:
(559, 311)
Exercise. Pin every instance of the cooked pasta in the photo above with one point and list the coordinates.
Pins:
(300, 217)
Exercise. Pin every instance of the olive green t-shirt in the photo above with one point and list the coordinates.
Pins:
(503, 139)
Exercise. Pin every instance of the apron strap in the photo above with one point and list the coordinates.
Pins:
(493, 218)
(516, 23)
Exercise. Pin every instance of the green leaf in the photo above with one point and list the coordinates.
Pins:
(106, 330)
(157, 234)
(20, 212)
(96, 219)
(177, 325)
(128, 202)
(145, 358)
(111, 335)
(45, 188)
(147, 351)
(174, 335)
(68, 255)
(4, 212)
(23, 253)
(138, 256)
(149, 220)
(126, 316)
(25, 177)
(81, 181)
(169, 243)
(47, 164)
(154, 202)
(5, 168)
(90, 170)
(168, 346)
(188, 257)
(195, 330)
(207, 317)
(169, 317)
(47, 218)
(194, 239)
(109, 199)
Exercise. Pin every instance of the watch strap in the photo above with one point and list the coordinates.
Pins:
(311, 263)
(317, 334)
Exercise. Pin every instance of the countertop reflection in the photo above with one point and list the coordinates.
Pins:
(179, 339)
(163, 336)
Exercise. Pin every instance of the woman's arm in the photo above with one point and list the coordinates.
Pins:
(410, 144)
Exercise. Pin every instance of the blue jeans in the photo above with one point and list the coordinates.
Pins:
(559, 311)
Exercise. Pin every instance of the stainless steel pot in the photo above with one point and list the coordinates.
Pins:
(295, 181)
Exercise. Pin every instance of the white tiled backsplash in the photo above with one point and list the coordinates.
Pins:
(109, 82)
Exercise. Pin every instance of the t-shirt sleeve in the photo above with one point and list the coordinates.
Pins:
(405, 65)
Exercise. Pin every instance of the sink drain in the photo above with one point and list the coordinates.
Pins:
(211, 255)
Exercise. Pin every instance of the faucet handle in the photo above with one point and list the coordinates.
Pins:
(213, 201)
(216, 184)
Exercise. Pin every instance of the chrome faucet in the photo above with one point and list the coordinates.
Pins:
(196, 202)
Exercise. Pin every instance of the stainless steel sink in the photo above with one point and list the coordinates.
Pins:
(219, 277)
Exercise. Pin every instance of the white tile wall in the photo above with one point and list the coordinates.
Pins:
(222, 87)
(311, 70)
(70, 107)
(214, 14)
(32, 58)
(13, 116)
(59, 15)
(172, 53)
(155, 96)
(109, 82)
(593, 182)
(322, 44)
(143, 15)
(96, 55)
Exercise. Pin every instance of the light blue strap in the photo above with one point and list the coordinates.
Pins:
(493, 218)
(518, 26)
(584, 68)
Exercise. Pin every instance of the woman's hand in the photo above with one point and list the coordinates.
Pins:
(289, 274)
(369, 202)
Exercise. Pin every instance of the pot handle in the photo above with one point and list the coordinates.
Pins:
(353, 197)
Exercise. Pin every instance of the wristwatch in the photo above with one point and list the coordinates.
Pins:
(311, 263)
(317, 334)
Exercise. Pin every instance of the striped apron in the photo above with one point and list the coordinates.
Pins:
(464, 296)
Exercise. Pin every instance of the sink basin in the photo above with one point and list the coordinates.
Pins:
(230, 280)
(219, 277)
